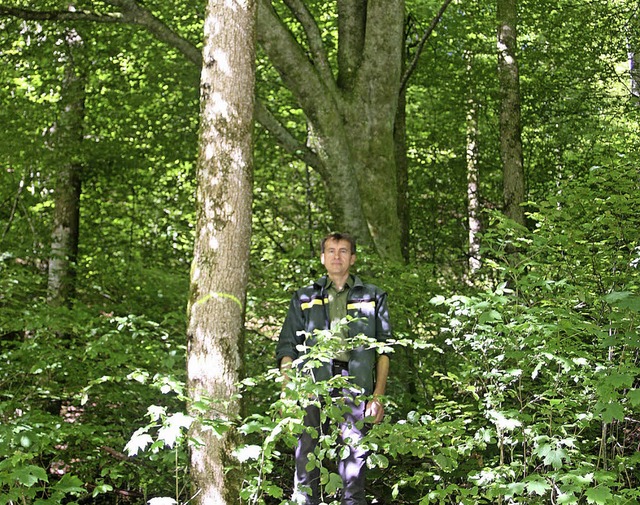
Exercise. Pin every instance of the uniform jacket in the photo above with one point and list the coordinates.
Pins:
(366, 304)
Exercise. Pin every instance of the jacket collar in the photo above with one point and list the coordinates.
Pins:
(322, 282)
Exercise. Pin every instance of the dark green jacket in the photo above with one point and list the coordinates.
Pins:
(366, 304)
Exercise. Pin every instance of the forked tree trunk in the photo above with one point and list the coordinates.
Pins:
(510, 127)
(351, 118)
(221, 252)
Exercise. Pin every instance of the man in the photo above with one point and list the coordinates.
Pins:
(322, 306)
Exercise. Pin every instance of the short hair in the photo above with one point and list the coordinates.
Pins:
(337, 237)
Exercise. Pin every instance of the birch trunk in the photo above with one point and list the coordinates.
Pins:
(473, 173)
(473, 185)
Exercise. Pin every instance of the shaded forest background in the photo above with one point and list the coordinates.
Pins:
(514, 380)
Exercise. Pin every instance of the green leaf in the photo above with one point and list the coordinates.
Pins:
(438, 300)
(29, 475)
(273, 490)
(69, 484)
(538, 486)
(515, 489)
(600, 495)
(618, 380)
(377, 460)
(248, 452)
(615, 297)
(613, 410)
(101, 488)
(624, 300)
(552, 455)
(634, 397)
(335, 483)
(139, 441)
(567, 499)
(490, 316)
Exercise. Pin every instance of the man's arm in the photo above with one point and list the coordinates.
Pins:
(288, 339)
(382, 372)
(383, 333)
(375, 407)
(285, 366)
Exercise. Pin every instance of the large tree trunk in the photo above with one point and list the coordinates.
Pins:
(351, 119)
(510, 127)
(67, 135)
(221, 253)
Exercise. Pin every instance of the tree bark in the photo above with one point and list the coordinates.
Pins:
(473, 200)
(67, 135)
(633, 48)
(221, 252)
(351, 28)
(351, 119)
(510, 126)
(402, 170)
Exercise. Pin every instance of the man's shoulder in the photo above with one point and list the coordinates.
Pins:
(311, 288)
(367, 287)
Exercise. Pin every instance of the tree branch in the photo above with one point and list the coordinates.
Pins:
(414, 63)
(133, 13)
(311, 30)
(284, 137)
(136, 14)
(299, 75)
(31, 15)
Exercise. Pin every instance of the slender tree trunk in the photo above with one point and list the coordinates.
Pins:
(473, 200)
(634, 59)
(402, 170)
(510, 127)
(634, 72)
(68, 135)
(221, 253)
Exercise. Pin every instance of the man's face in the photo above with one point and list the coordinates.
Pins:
(337, 257)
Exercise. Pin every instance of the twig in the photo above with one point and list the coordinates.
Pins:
(414, 63)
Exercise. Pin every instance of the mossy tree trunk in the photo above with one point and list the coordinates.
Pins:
(350, 111)
(67, 135)
(510, 123)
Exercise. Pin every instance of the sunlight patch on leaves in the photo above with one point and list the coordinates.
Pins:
(247, 452)
(138, 443)
(164, 500)
(502, 422)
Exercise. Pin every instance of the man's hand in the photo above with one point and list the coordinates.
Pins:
(375, 409)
